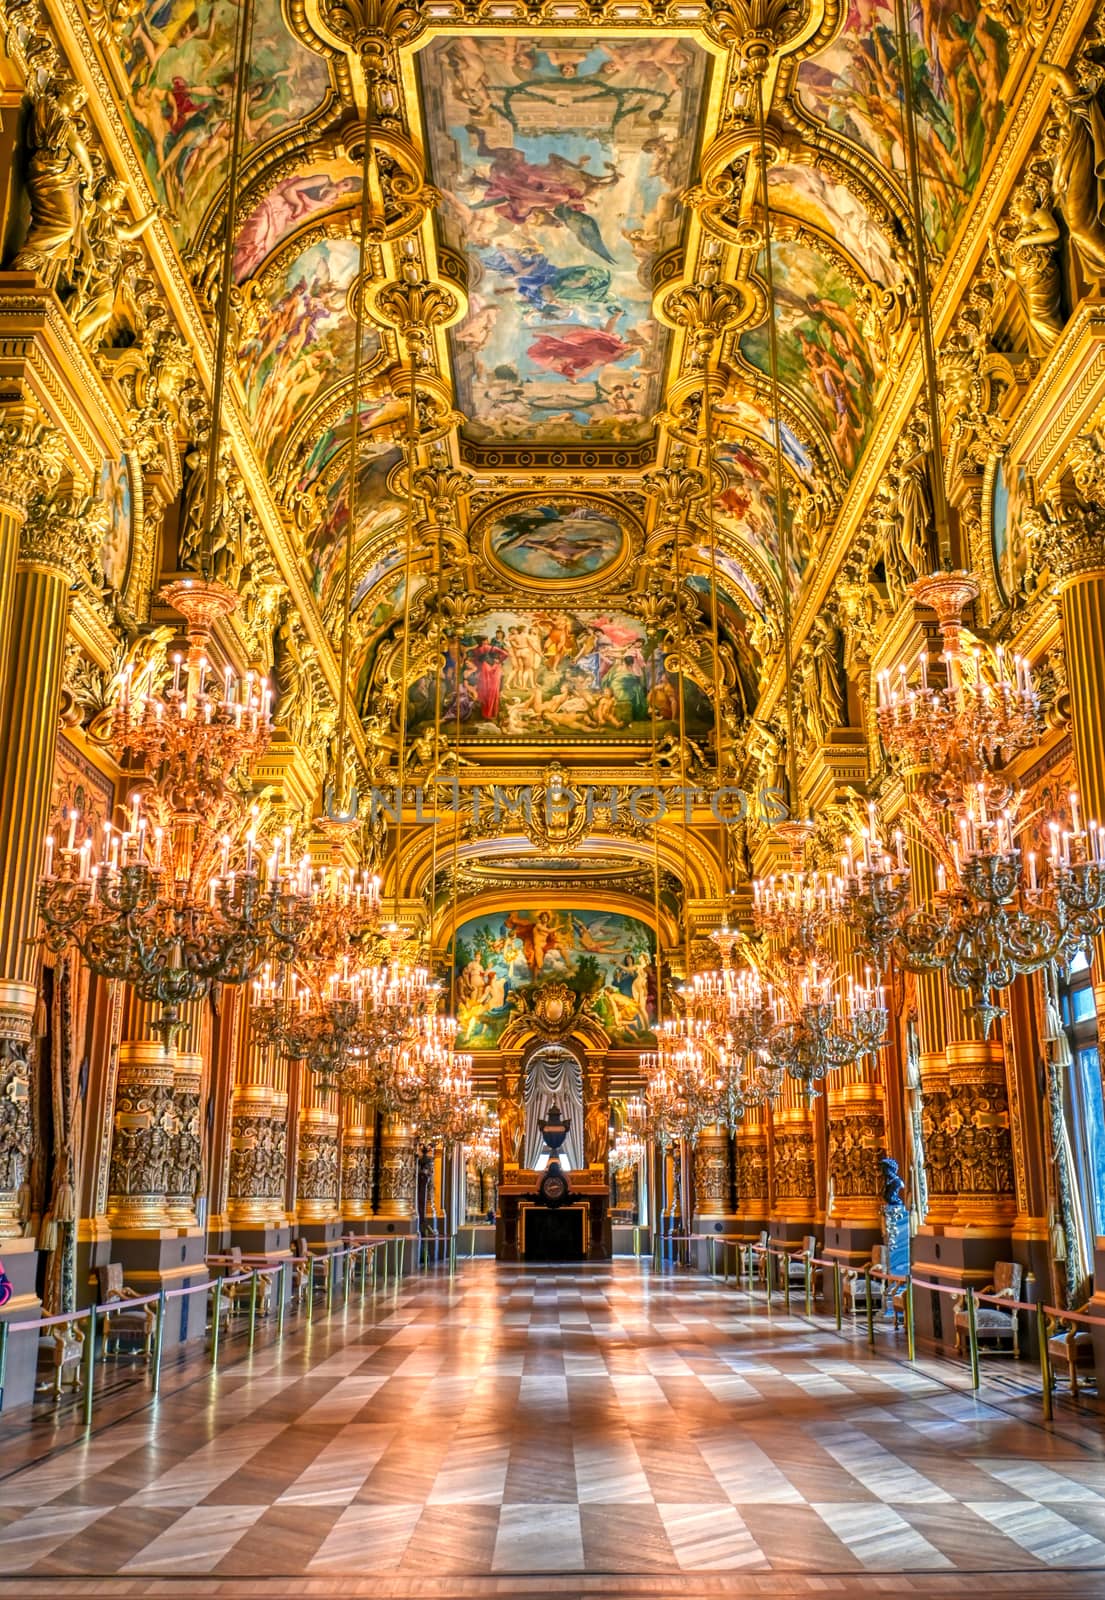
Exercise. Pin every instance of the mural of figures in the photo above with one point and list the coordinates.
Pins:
(735, 573)
(822, 352)
(561, 160)
(550, 540)
(287, 206)
(115, 493)
(503, 957)
(178, 56)
(737, 411)
(960, 56)
(542, 673)
(807, 194)
(376, 508)
(304, 341)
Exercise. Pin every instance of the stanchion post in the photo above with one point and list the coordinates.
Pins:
(838, 1297)
(159, 1341)
(89, 1366)
(281, 1303)
(784, 1262)
(870, 1307)
(331, 1263)
(809, 1285)
(311, 1287)
(4, 1336)
(972, 1336)
(252, 1307)
(216, 1321)
(910, 1325)
(1046, 1379)
(401, 1253)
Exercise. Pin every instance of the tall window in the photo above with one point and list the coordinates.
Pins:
(1085, 1101)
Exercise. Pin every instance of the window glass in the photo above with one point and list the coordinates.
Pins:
(1092, 1107)
(1082, 1005)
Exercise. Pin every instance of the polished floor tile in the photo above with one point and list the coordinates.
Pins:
(556, 1431)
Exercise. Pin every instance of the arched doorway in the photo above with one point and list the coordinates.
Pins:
(553, 1076)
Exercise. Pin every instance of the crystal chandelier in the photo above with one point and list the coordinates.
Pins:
(976, 716)
(626, 1151)
(181, 896)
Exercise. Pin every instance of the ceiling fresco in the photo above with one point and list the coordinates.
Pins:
(545, 675)
(561, 163)
(377, 507)
(823, 355)
(960, 58)
(543, 542)
(303, 343)
(178, 60)
(327, 186)
(806, 194)
(504, 958)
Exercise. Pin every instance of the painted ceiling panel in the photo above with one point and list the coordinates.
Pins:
(320, 188)
(823, 355)
(809, 196)
(561, 161)
(178, 57)
(304, 342)
(960, 57)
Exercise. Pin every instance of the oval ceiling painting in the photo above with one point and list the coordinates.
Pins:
(549, 540)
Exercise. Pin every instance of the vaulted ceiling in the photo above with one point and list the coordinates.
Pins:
(563, 182)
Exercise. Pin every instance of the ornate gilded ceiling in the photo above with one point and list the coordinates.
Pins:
(580, 194)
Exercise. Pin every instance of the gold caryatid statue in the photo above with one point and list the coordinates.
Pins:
(1078, 179)
(59, 163)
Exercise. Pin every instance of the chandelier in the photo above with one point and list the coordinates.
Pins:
(181, 896)
(976, 716)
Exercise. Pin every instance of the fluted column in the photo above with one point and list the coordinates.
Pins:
(711, 1174)
(33, 621)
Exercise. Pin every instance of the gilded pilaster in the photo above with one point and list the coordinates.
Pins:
(752, 1173)
(794, 1189)
(34, 622)
(711, 1174)
(358, 1167)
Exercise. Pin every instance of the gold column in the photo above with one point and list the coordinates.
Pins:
(144, 1126)
(358, 1164)
(711, 1173)
(794, 1200)
(397, 1170)
(317, 1167)
(753, 1205)
(855, 1108)
(51, 538)
(186, 1153)
(258, 1137)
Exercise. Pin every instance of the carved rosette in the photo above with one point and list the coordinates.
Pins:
(144, 1133)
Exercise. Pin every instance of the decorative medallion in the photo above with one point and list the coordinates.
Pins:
(542, 542)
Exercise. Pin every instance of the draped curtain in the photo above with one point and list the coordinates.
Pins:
(554, 1076)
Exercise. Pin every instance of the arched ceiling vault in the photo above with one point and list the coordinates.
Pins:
(574, 191)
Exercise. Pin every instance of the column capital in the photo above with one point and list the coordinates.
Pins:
(61, 532)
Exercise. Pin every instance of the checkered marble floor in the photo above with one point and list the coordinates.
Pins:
(601, 1421)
